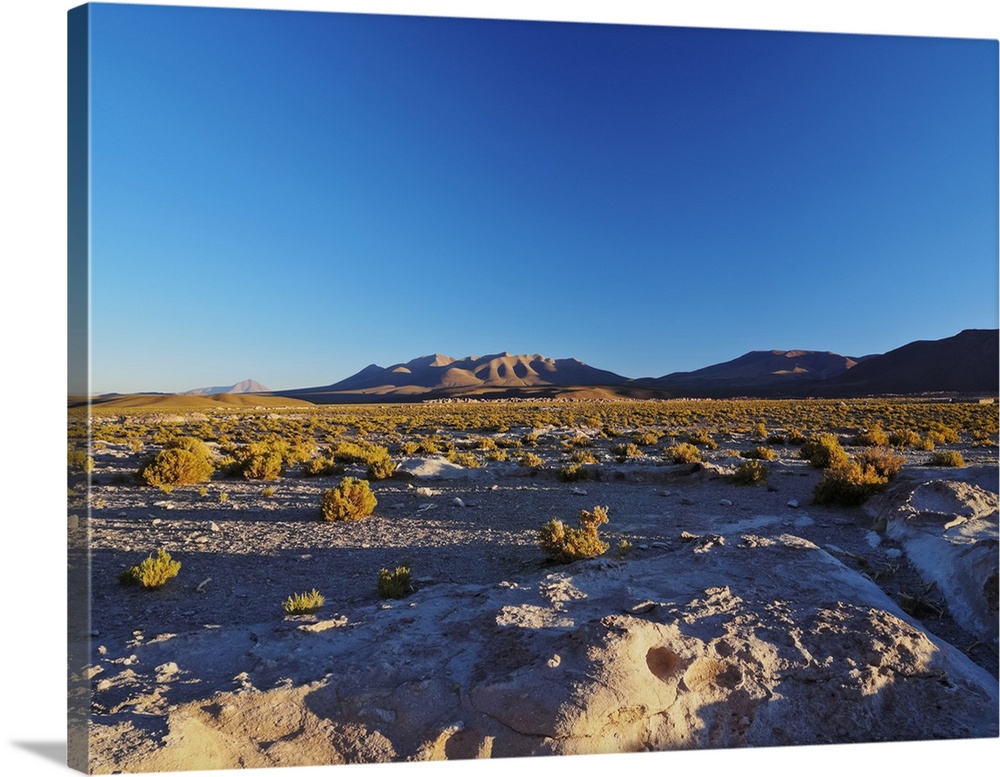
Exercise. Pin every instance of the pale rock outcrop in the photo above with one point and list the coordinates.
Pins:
(719, 641)
(949, 530)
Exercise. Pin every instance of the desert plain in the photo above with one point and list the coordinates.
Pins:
(720, 614)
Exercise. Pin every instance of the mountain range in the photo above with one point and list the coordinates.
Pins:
(242, 387)
(968, 362)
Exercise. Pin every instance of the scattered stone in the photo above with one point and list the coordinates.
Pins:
(457, 501)
(687, 536)
(554, 661)
(74, 522)
(873, 539)
(893, 553)
(426, 506)
(338, 621)
(123, 514)
(793, 503)
(659, 545)
(578, 491)
(686, 501)
(726, 502)
(214, 527)
(157, 521)
(424, 491)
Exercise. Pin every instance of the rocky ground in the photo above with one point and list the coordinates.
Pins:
(736, 609)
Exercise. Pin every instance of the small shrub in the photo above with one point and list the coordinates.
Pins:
(624, 450)
(760, 431)
(573, 472)
(223, 497)
(193, 444)
(175, 467)
(531, 460)
(624, 549)
(304, 603)
(352, 500)
(382, 468)
(583, 457)
(563, 544)
(394, 584)
(823, 451)
(682, 453)
(874, 437)
(940, 434)
(152, 573)
(796, 436)
(497, 455)
(848, 483)
(268, 492)
(947, 459)
(882, 460)
(203, 491)
(580, 441)
(322, 466)
(700, 437)
(760, 452)
(646, 438)
(750, 473)
(904, 438)
(469, 460)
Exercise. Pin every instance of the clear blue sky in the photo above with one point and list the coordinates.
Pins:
(292, 196)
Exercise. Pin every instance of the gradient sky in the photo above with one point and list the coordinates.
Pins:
(292, 196)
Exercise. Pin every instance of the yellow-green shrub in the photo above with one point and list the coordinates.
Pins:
(304, 603)
(152, 573)
(947, 459)
(564, 544)
(352, 500)
(760, 452)
(823, 451)
(848, 483)
(394, 584)
(175, 467)
(381, 468)
(750, 472)
(682, 453)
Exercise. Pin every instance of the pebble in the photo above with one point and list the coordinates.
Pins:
(686, 501)
(457, 501)
(123, 514)
(157, 521)
(214, 527)
(661, 545)
(74, 522)
(793, 503)
(554, 661)
(578, 491)
(893, 553)
(726, 502)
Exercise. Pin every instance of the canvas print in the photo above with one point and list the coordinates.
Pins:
(465, 388)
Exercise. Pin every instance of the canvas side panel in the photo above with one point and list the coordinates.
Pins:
(78, 388)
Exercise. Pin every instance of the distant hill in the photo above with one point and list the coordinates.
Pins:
(185, 402)
(494, 375)
(757, 373)
(243, 387)
(969, 362)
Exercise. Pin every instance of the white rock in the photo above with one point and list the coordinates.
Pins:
(726, 502)
(578, 491)
(873, 539)
(457, 501)
(893, 553)
(554, 661)
(793, 503)
(214, 527)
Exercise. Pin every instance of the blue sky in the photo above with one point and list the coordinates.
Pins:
(292, 196)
